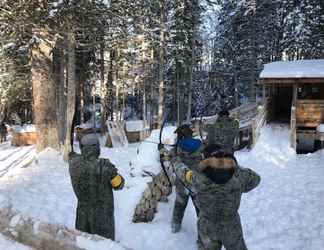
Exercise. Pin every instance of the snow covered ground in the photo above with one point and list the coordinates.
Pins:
(286, 212)
(14, 157)
(6, 244)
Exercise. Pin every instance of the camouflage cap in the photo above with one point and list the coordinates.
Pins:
(89, 140)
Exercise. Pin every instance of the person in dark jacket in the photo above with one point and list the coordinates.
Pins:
(223, 132)
(187, 152)
(93, 181)
(219, 183)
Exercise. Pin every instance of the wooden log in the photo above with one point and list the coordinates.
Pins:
(46, 236)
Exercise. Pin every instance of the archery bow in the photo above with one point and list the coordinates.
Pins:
(173, 168)
(160, 143)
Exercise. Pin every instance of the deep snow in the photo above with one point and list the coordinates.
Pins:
(284, 213)
(6, 244)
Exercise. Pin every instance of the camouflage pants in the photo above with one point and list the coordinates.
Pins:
(222, 233)
(182, 197)
(96, 220)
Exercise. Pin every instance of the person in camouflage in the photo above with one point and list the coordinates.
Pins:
(223, 132)
(93, 180)
(187, 151)
(219, 183)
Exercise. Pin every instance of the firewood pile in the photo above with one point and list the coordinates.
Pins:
(157, 191)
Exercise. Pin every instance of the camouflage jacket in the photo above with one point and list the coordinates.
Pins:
(219, 192)
(223, 132)
(91, 177)
(191, 160)
(183, 160)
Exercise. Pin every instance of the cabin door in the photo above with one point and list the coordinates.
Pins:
(281, 104)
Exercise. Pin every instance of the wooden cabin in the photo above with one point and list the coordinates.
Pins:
(293, 93)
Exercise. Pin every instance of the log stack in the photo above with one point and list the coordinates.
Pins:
(157, 191)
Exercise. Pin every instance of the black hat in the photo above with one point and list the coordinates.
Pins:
(212, 150)
(215, 150)
(183, 131)
(223, 112)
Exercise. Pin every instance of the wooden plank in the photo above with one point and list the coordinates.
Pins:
(317, 102)
(294, 99)
(293, 138)
(290, 80)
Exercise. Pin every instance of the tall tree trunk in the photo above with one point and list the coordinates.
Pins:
(59, 72)
(144, 105)
(44, 94)
(190, 76)
(144, 72)
(117, 101)
(189, 91)
(71, 94)
(253, 65)
(82, 78)
(110, 99)
(103, 91)
(161, 105)
(177, 95)
(82, 96)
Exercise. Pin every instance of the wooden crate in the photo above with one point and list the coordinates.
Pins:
(136, 136)
(23, 138)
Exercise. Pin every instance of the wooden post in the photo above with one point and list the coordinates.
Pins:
(263, 94)
(294, 100)
(293, 128)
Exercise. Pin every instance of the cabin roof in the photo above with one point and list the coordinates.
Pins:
(302, 69)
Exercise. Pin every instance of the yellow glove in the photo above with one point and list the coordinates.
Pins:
(117, 182)
(189, 176)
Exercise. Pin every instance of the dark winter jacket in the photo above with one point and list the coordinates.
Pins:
(223, 133)
(93, 180)
(219, 185)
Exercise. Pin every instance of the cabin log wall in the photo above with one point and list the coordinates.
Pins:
(309, 113)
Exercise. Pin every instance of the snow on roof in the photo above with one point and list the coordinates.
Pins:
(294, 69)
(135, 125)
(26, 128)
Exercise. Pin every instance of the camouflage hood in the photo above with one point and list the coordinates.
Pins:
(218, 170)
(90, 152)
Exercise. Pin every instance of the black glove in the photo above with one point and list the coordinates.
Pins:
(160, 146)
